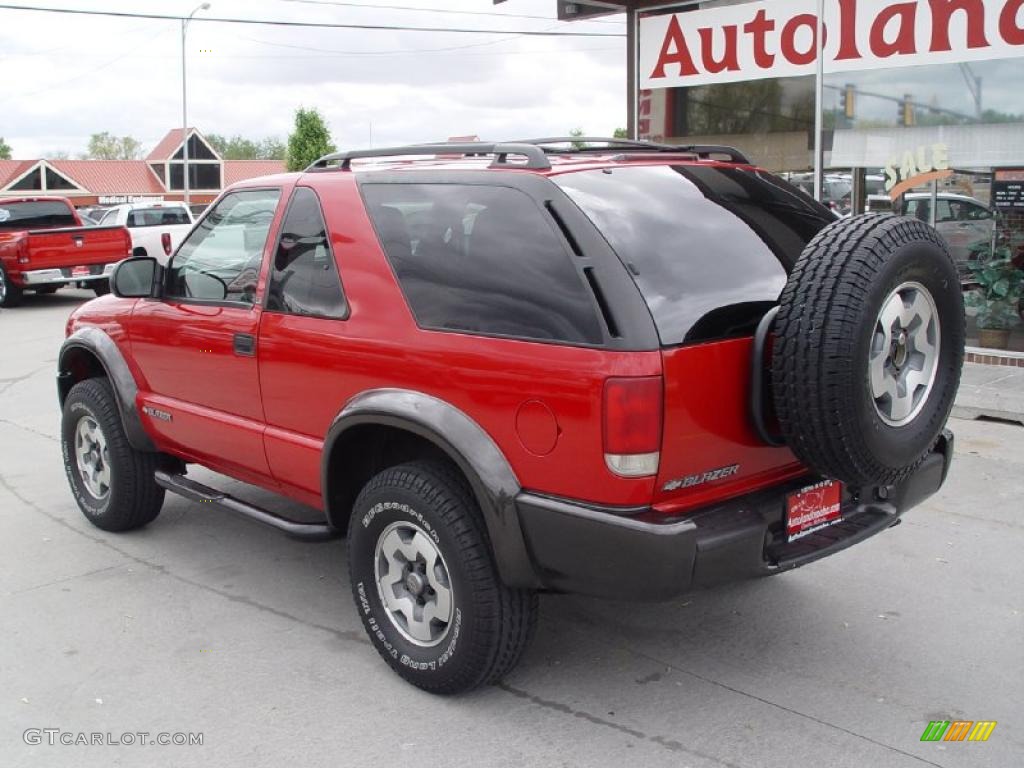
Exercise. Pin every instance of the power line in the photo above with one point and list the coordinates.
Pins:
(441, 10)
(308, 24)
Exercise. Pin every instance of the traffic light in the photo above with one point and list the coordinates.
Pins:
(906, 115)
(849, 101)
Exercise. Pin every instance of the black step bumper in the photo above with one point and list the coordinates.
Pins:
(644, 556)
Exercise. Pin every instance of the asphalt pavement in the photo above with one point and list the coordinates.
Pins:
(204, 623)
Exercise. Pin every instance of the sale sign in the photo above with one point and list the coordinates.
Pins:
(778, 38)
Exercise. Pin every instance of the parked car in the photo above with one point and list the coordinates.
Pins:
(44, 246)
(962, 221)
(156, 228)
(835, 189)
(507, 368)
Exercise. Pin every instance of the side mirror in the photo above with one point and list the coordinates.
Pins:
(135, 278)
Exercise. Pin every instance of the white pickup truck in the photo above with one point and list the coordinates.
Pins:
(155, 228)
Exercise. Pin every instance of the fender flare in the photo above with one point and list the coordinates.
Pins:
(102, 347)
(465, 442)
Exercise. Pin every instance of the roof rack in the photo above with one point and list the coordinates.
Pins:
(535, 151)
(703, 151)
(535, 156)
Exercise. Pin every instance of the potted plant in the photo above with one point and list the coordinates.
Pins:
(998, 287)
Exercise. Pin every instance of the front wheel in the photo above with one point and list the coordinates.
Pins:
(112, 482)
(425, 584)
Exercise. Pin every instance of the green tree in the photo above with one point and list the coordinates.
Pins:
(272, 148)
(576, 133)
(309, 141)
(5, 149)
(105, 146)
(240, 148)
(620, 133)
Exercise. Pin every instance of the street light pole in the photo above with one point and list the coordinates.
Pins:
(184, 102)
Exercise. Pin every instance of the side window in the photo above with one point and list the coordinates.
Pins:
(976, 212)
(944, 212)
(304, 279)
(220, 260)
(481, 259)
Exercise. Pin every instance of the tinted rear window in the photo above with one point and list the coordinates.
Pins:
(41, 214)
(709, 247)
(156, 217)
(482, 259)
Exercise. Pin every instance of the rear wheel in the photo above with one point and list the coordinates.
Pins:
(10, 294)
(112, 482)
(868, 348)
(425, 583)
(101, 287)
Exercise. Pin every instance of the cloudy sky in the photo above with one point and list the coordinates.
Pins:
(67, 76)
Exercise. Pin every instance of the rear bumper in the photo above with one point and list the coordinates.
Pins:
(62, 276)
(580, 549)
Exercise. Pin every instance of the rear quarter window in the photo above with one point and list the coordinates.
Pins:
(709, 247)
(482, 259)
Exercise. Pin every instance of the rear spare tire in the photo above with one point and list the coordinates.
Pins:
(869, 343)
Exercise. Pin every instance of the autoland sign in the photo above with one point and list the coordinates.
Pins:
(777, 38)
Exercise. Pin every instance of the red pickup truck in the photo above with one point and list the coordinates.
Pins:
(44, 246)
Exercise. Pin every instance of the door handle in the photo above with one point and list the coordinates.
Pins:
(245, 344)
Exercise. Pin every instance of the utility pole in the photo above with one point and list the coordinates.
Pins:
(184, 102)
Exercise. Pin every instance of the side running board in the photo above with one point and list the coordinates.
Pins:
(203, 494)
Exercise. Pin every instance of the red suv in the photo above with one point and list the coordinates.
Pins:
(623, 369)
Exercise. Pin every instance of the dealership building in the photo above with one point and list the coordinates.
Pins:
(160, 176)
(907, 105)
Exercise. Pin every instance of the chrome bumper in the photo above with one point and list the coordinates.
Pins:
(63, 276)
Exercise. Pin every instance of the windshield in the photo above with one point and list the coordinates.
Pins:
(709, 247)
(35, 214)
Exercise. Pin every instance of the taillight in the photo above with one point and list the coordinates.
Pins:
(165, 240)
(632, 425)
(23, 252)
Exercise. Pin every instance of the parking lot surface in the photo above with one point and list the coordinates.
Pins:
(205, 623)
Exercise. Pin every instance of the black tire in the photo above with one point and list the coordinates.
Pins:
(133, 498)
(101, 287)
(489, 624)
(10, 294)
(824, 336)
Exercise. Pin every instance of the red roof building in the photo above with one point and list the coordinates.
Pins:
(160, 175)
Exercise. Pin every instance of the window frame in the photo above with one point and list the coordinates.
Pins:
(330, 249)
(271, 235)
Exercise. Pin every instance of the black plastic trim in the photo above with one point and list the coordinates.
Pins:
(103, 348)
(759, 383)
(494, 483)
(578, 548)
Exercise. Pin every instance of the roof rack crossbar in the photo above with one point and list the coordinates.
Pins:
(704, 151)
(609, 142)
(535, 157)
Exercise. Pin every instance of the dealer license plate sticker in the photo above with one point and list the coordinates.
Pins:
(80, 272)
(813, 508)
